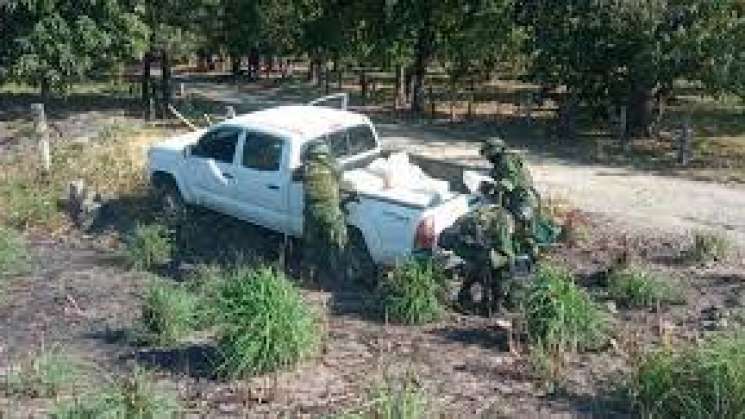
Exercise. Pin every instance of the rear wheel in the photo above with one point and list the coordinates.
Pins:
(360, 267)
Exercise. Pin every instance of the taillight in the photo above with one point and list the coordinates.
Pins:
(425, 234)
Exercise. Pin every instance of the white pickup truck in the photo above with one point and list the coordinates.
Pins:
(250, 167)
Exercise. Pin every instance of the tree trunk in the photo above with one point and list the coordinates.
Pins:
(641, 107)
(146, 60)
(235, 64)
(423, 54)
(165, 82)
(44, 90)
(400, 85)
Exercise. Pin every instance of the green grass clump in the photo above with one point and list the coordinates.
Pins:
(13, 253)
(263, 323)
(43, 374)
(169, 313)
(636, 287)
(413, 292)
(704, 381)
(559, 314)
(134, 396)
(394, 400)
(149, 246)
(26, 202)
(709, 246)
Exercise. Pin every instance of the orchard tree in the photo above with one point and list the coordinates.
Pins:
(625, 52)
(52, 43)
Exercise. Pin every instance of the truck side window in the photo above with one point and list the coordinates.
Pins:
(262, 152)
(218, 145)
(361, 139)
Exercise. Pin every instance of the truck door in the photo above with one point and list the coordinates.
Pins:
(261, 183)
(211, 168)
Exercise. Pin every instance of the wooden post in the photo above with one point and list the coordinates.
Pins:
(229, 112)
(182, 90)
(151, 109)
(470, 98)
(42, 131)
(452, 99)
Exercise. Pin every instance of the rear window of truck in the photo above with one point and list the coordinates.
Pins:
(349, 141)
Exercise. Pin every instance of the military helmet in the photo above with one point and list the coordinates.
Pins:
(318, 149)
(492, 146)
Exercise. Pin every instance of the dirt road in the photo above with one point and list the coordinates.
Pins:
(641, 201)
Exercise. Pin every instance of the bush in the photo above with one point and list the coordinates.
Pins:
(706, 381)
(43, 374)
(559, 314)
(13, 254)
(636, 287)
(168, 313)
(263, 323)
(413, 292)
(149, 246)
(134, 396)
(709, 246)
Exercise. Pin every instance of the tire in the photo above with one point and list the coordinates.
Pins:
(169, 198)
(360, 267)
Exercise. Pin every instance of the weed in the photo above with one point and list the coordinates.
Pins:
(394, 400)
(412, 293)
(28, 202)
(264, 324)
(561, 315)
(168, 313)
(709, 246)
(43, 374)
(707, 380)
(134, 396)
(635, 287)
(149, 246)
(13, 253)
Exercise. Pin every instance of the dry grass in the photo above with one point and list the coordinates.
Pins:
(113, 164)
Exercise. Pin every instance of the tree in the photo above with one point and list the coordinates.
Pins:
(52, 43)
(624, 53)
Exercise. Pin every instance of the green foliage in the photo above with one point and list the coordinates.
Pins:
(149, 246)
(55, 43)
(168, 313)
(395, 400)
(709, 246)
(636, 287)
(412, 293)
(263, 323)
(44, 374)
(13, 253)
(704, 381)
(26, 203)
(133, 396)
(561, 315)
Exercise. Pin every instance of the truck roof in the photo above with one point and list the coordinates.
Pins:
(300, 121)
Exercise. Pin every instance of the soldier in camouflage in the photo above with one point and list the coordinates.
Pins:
(514, 190)
(483, 239)
(324, 225)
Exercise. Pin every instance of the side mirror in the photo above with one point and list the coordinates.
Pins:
(298, 174)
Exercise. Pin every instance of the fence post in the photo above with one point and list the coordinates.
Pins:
(432, 103)
(229, 112)
(363, 87)
(623, 131)
(42, 131)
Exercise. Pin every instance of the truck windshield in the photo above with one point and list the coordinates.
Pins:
(350, 141)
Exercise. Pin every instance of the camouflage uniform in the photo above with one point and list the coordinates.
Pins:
(483, 239)
(514, 188)
(324, 225)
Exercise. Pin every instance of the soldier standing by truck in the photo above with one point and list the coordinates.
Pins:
(324, 225)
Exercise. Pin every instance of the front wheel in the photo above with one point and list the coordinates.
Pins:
(360, 267)
(170, 200)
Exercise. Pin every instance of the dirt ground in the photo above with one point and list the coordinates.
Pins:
(80, 296)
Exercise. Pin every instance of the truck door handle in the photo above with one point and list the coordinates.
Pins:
(273, 187)
(227, 175)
